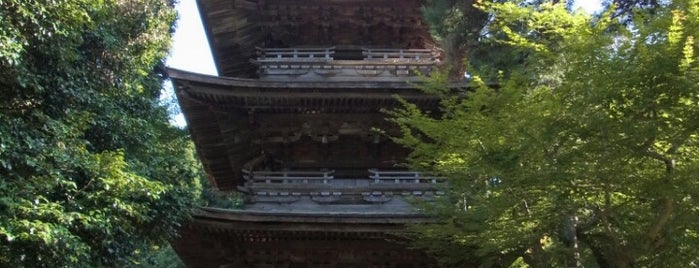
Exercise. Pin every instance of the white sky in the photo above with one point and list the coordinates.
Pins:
(190, 48)
(591, 6)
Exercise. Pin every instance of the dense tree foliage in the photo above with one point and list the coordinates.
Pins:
(462, 30)
(457, 27)
(159, 257)
(587, 156)
(91, 171)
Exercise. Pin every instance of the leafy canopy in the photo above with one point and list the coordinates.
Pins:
(588, 156)
(91, 172)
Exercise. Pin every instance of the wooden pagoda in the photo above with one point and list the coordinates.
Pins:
(292, 123)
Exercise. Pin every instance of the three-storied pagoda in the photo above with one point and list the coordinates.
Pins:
(291, 122)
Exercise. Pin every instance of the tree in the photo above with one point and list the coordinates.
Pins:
(457, 27)
(461, 30)
(91, 171)
(589, 156)
(623, 8)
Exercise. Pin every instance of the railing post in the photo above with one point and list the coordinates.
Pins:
(246, 174)
(375, 175)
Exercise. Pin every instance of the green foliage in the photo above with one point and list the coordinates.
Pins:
(456, 26)
(159, 257)
(594, 144)
(464, 30)
(212, 197)
(91, 171)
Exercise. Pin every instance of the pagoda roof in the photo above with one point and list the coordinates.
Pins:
(235, 28)
(236, 238)
(235, 82)
(230, 94)
(317, 217)
(214, 107)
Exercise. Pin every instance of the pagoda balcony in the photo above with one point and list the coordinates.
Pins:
(329, 64)
(381, 191)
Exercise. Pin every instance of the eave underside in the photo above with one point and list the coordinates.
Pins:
(222, 113)
(241, 239)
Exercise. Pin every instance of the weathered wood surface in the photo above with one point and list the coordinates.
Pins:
(306, 124)
(398, 177)
(208, 244)
(235, 28)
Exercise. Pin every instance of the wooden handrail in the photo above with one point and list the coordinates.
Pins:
(297, 48)
(303, 188)
(397, 54)
(398, 49)
(290, 186)
(337, 63)
(287, 176)
(295, 53)
(384, 176)
(295, 172)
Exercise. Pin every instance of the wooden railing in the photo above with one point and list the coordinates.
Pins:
(413, 54)
(288, 177)
(320, 64)
(398, 177)
(295, 54)
(322, 187)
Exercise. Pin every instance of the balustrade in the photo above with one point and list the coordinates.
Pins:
(402, 54)
(321, 186)
(295, 54)
(287, 177)
(383, 176)
(321, 64)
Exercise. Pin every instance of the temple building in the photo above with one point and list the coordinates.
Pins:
(295, 122)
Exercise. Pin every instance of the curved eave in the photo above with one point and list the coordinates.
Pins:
(247, 216)
(217, 237)
(261, 84)
(216, 108)
(241, 94)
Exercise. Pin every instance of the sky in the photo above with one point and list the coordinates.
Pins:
(190, 48)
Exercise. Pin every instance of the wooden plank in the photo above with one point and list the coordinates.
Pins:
(305, 189)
